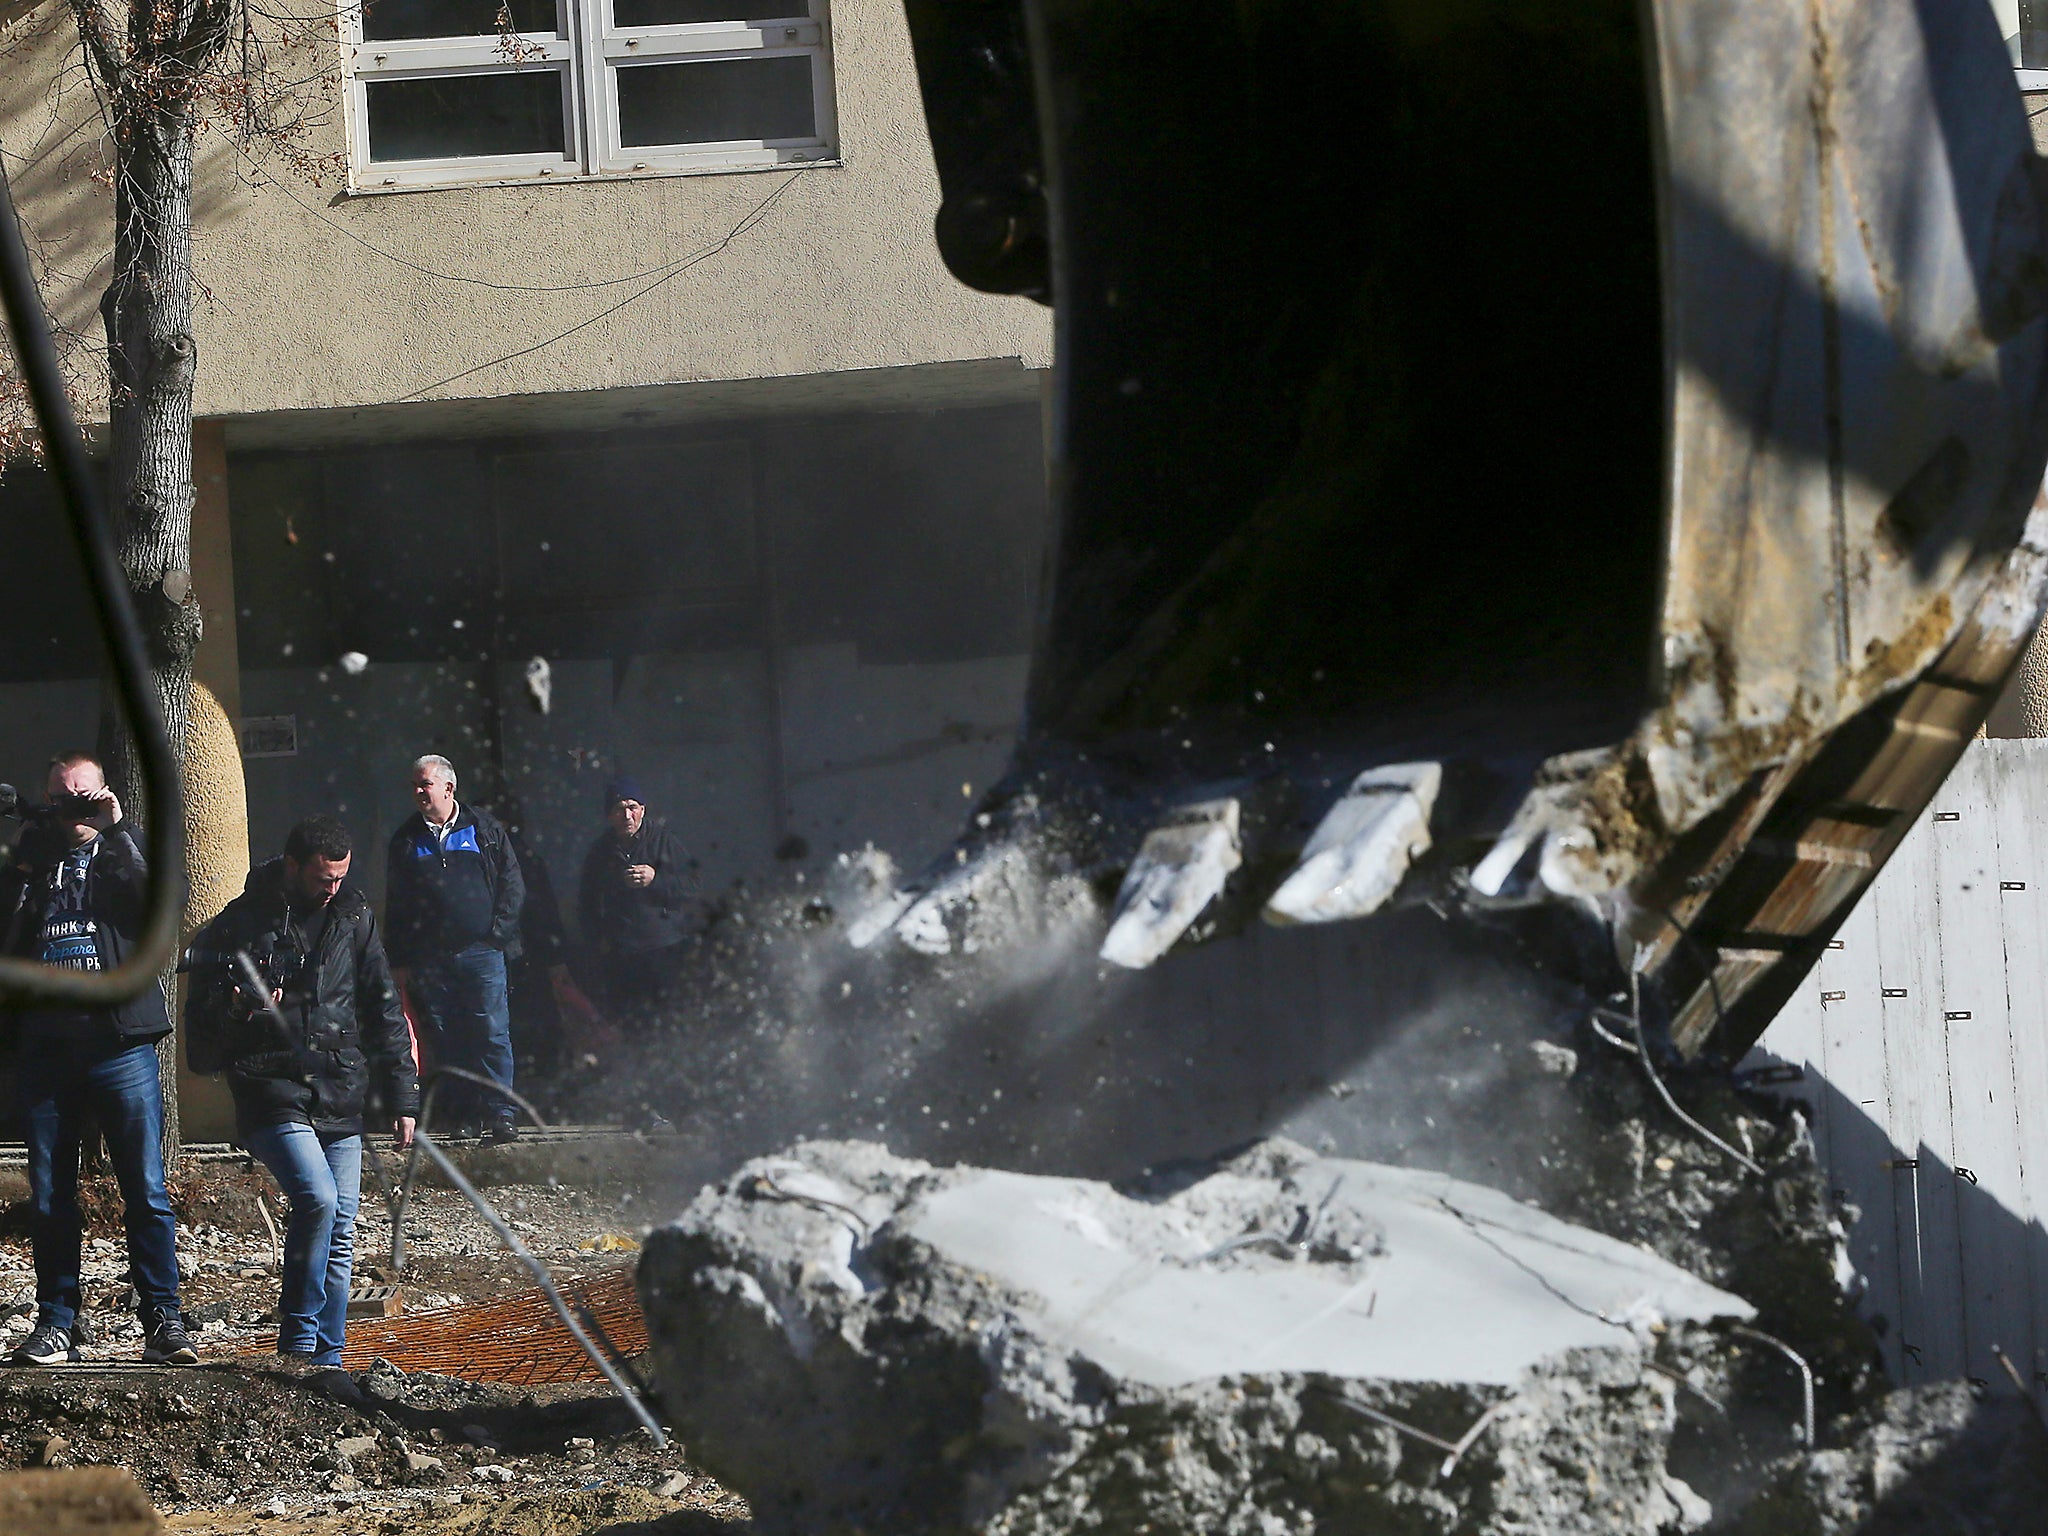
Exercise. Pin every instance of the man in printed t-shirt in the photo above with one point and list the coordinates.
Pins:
(75, 898)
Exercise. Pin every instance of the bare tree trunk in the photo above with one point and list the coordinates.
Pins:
(147, 312)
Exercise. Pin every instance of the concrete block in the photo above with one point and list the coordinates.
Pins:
(1280, 1342)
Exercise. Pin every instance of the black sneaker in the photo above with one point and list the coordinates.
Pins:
(502, 1131)
(167, 1343)
(48, 1345)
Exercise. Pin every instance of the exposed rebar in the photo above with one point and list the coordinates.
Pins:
(546, 1283)
(1635, 984)
(1799, 1363)
(762, 1187)
(423, 1142)
(1454, 1450)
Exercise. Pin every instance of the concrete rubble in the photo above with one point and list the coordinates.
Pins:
(1281, 1342)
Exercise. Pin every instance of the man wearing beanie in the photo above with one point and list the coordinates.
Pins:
(637, 903)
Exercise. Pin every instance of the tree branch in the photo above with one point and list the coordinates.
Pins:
(108, 64)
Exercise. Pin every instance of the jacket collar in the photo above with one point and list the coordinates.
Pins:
(463, 818)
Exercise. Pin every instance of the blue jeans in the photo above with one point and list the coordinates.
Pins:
(62, 1079)
(468, 1024)
(321, 1177)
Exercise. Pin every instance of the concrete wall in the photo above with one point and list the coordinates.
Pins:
(1923, 1038)
(802, 634)
(309, 302)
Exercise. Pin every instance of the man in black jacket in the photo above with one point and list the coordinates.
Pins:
(452, 898)
(303, 1041)
(637, 904)
(75, 897)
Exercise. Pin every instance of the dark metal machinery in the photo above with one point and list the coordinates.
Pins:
(1506, 455)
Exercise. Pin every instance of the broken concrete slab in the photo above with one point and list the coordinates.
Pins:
(855, 1340)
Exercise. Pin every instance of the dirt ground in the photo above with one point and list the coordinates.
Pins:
(236, 1445)
(227, 1260)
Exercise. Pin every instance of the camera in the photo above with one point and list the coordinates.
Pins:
(281, 964)
(57, 808)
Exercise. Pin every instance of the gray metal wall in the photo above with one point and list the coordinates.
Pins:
(1924, 1038)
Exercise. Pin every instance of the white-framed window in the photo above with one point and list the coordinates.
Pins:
(443, 91)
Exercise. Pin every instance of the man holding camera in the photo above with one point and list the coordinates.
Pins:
(75, 897)
(292, 997)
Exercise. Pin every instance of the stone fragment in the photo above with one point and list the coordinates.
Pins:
(672, 1486)
(1284, 1342)
(419, 1461)
(355, 1445)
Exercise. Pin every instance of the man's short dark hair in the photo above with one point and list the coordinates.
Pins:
(318, 837)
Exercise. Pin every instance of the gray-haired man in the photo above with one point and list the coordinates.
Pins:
(452, 897)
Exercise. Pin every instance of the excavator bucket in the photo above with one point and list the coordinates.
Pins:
(1504, 454)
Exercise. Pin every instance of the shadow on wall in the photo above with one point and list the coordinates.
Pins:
(1951, 1275)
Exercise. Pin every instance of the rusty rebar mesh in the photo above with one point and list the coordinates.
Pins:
(518, 1340)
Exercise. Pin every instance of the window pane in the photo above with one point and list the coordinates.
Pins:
(715, 100)
(385, 19)
(454, 115)
(682, 13)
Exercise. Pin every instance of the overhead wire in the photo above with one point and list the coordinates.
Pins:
(760, 212)
(494, 284)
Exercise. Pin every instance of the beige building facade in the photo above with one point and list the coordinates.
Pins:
(346, 294)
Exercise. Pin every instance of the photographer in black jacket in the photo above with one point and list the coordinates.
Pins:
(292, 997)
(74, 897)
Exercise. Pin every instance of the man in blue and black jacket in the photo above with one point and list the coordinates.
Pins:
(452, 898)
